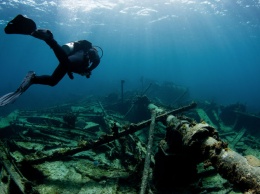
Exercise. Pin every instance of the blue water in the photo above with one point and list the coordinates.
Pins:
(211, 47)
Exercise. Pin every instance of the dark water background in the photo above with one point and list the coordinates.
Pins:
(211, 47)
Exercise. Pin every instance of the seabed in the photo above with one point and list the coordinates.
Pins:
(100, 145)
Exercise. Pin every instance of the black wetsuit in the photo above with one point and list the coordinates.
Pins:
(81, 62)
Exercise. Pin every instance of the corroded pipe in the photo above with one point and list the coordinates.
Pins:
(233, 166)
(202, 141)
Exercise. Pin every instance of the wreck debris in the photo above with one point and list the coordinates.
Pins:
(148, 155)
(228, 114)
(70, 119)
(138, 111)
(103, 110)
(200, 142)
(145, 91)
(238, 137)
(235, 168)
(136, 99)
(12, 174)
(204, 116)
(235, 115)
(60, 154)
(168, 93)
(26, 134)
(130, 109)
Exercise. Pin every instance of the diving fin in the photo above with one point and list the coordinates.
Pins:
(26, 83)
(9, 98)
(20, 25)
(12, 96)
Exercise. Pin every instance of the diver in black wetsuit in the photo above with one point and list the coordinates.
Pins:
(76, 57)
(78, 62)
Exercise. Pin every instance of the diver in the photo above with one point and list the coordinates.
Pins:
(75, 57)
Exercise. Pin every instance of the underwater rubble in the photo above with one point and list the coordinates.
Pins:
(133, 143)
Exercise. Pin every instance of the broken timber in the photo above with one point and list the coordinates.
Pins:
(13, 174)
(64, 152)
(238, 137)
(148, 155)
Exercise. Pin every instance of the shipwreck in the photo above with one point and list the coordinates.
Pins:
(154, 141)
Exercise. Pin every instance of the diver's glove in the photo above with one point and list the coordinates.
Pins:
(88, 74)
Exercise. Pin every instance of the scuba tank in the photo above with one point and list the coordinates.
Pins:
(73, 47)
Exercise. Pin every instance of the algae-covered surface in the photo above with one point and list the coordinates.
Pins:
(113, 167)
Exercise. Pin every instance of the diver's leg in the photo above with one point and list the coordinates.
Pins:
(47, 36)
(52, 80)
(23, 25)
(30, 79)
(58, 51)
